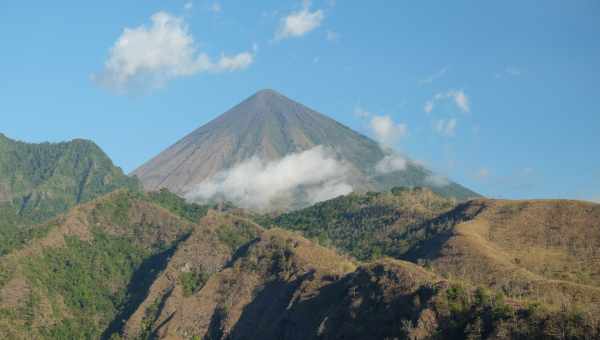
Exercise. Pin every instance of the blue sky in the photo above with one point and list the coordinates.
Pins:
(513, 84)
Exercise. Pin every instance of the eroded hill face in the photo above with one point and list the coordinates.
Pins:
(282, 286)
(142, 266)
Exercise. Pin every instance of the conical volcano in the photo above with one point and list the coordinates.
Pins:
(269, 127)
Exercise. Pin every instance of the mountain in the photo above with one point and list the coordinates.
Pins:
(133, 265)
(40, 181)
(282, 286)
(270, 126)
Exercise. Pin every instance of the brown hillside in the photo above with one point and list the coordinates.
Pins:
(549, 249)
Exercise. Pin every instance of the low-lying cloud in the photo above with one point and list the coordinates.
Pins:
(257, 184)
(437, 180)
(391, 163)
(150, 56)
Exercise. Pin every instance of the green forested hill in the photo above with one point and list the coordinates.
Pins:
(368, 225)
(40, 181)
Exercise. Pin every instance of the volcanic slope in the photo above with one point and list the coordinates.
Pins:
(271, 126)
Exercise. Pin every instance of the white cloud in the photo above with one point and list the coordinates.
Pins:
(257, 184)
(332, 35)
(153, 55)
(298, 23)
(460, 99)
(430, 79)
(386, 131)
(188, 5)
(446, 127)
(437, 180)
(391, 163)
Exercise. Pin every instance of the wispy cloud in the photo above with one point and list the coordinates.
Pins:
(458, 97)
(299, 23)
(188, 6)
(258, 184)
(150, 56)
(433, 77)
(446, 127)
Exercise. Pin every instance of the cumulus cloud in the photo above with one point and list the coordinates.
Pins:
(391, 163)
(150, 56)
(460, 99)
(299, 23)
(446, 127)
(257, 184)
(437, 180)
(386, 131)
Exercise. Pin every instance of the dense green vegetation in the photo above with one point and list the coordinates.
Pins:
(85, 275)
(367, 225)
(177, 205)
(40, 181)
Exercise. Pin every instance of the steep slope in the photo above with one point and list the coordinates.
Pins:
(547, 250)
(281, 286)
(87, 267)
(270, 127)
(40, 181)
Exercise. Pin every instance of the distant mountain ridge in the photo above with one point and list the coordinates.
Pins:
(40, 181)
(271, 126)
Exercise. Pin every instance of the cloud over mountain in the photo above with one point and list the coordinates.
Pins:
(255, 183)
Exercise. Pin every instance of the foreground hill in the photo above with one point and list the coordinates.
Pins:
(270, 126)
(40, 181)
(282, 286)
(545, 249)
(87, 270)
(143, 266)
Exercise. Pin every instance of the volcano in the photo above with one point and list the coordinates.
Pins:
(270, 127)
